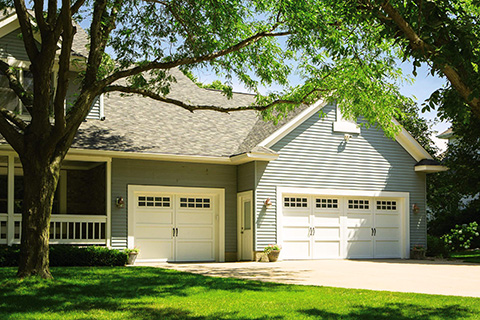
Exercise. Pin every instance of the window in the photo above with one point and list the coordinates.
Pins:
(290, 202)
(387, 205)
(326, 203)
(359, 204)
(153, 202)
(195, 203)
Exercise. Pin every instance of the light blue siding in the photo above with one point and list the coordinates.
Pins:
(162, 173)
(11, 46)
(313, 156)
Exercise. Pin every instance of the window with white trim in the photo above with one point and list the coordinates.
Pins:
(291, 202)
(326, 203)
(153, 202)
(387, 205)
(358, 204)
(190, 202)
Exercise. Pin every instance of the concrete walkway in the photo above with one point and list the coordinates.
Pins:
(432, 277)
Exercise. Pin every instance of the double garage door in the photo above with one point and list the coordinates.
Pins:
(317, 227)
(173, 226)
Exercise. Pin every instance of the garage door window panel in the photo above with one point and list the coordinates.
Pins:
(153, 202)
(198, 203)
(295, 202)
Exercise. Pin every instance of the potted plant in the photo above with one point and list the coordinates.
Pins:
(417, 252)
(132, 255)
(272, 251)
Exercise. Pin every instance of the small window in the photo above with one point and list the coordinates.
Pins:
(387, 205)
(326, 203)
(154, 202)
(359, 204)
(200, 203)
(290, 202)
(3, 229)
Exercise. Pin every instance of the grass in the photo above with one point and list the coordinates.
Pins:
(468, 256)
(150, 293)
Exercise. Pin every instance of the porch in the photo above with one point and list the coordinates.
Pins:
(82, 203)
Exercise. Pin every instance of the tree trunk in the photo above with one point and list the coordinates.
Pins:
(40, 182)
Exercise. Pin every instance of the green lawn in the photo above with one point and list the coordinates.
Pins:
(468, 256)
(149, 293)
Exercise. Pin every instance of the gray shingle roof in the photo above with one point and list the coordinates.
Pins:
(138, 124)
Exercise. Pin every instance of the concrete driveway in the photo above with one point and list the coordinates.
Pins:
(432, 277)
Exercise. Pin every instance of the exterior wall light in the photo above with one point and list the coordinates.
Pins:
(415, 208)
(268, 203)
(347, 137)
(119, 202)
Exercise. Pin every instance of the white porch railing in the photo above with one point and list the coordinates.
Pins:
(64, 228)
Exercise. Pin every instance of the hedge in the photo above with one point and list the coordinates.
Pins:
(64, 255)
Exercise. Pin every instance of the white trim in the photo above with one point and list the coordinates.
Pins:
(240, 195)
(8, 25)
(411, 145)
(405, 209)
(220, 218)
(108, 200)
(295, 122)
(430, 168)
(101, 107)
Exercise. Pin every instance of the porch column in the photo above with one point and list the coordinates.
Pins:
(108, 198)
(10, 198)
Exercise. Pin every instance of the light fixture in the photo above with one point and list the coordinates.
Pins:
(415, 208)
(119, 202)
(347, 137)
(268, 203)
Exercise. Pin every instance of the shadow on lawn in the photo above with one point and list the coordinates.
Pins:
(132, 292)
(394, 311)
(111, 289)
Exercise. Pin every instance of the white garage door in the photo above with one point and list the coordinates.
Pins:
(174, 226)
(316, 227)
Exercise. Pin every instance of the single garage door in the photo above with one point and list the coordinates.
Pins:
(318, 227)
(174, 226)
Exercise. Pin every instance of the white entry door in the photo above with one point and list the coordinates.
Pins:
(330, 226)
(245, 226)
(173, 226)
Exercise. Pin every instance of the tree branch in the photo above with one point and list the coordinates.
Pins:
(13, 137)
(15, 85)
(418, 44)
(26, 27)
(184, 61)
(76, 6)
(64, 67)
(13, 118)
(192, 108)
(38, 7)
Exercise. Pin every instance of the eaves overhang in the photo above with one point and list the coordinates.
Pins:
(227, 160)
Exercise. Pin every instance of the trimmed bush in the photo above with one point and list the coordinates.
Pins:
(436, 247)
(68, 256)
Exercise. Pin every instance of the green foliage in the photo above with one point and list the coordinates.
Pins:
(461, 237)
(271, 247)
(436, 247)
(64, 255)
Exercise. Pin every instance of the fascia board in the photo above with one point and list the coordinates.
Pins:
(430, 168)
(405, 139)
(291, 125)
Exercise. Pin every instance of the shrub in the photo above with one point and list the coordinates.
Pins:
(67, 256)
(461, 237)
(436, 247)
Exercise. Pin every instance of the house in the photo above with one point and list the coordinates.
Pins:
(210, 186)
